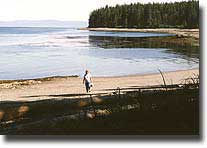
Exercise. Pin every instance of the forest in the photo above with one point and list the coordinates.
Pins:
(151, 15)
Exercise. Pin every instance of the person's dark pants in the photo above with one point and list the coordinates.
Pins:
(87, 87)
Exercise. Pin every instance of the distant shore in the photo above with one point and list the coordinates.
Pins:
(194, 33)
(38, 89)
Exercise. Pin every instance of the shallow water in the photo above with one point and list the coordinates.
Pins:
(40, 52)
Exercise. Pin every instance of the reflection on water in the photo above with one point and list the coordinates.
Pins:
(178, 46)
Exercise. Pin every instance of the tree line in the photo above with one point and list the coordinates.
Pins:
(152, 15)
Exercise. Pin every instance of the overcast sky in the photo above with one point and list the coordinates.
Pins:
(67, 10)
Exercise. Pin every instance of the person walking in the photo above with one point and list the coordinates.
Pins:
(87, 79)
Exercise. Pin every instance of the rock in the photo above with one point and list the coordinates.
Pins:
(90, 115)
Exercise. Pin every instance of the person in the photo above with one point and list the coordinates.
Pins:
(87, 79)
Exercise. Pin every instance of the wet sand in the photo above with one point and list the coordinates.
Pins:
(65, 87)
(194, 33)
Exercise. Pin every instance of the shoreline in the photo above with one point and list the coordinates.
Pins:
(47, 78)
(51, 78)
(68, 87)
(147, 74)
(193, 33)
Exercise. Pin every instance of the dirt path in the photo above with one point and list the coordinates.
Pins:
(59, 88)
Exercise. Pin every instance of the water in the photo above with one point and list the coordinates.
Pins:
(40, 52)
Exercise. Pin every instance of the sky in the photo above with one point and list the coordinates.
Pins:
(64, 10)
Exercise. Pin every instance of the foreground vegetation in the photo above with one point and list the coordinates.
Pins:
(165, 109)
(152, 15)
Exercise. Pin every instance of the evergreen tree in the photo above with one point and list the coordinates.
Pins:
(152, 15)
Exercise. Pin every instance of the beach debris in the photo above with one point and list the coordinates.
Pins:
(103, 112)
(82, 103)
(17, 84)
(97, 100)
(22, 110)
(1, 114)
(90, 115)
(132, 106)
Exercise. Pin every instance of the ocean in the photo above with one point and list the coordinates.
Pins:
(36, 52)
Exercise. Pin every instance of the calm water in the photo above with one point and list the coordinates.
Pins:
(40, 52)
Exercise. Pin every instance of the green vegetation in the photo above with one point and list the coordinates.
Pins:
(152, 15)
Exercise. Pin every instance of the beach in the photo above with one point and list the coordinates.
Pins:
(142, 58)
(193, 33)
(65, 87)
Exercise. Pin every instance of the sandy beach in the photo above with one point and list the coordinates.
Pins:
(194, 33)
(63, 87)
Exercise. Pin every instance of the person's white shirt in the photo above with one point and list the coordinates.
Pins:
(88, 78)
